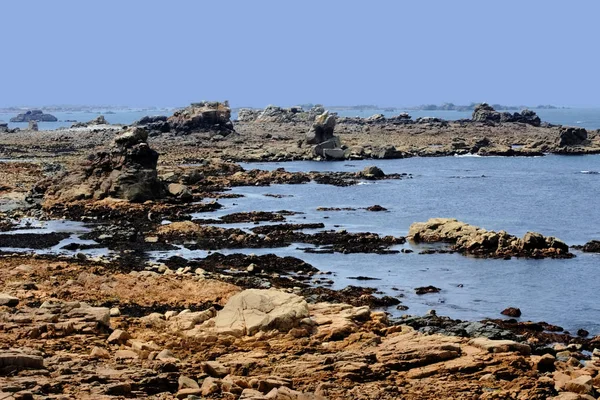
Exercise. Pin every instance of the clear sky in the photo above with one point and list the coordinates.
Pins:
(254, 53)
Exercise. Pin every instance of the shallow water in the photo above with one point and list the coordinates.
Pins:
(553, 195)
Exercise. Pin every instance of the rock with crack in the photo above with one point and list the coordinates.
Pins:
(255, 310)
(205, 116)
(321, 136)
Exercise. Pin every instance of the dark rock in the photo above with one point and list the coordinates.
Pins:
(570, 136)
(427, 289)
(373, 172)
(322, 129)
(582, 333)
(376, 208)
(34, 115)
(485, 113)
(512, 312)
(592, 246)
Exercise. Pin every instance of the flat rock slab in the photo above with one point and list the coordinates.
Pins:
(500, 346)
(8, 300)
(20, 360)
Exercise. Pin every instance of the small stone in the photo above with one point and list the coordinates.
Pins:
(545, 363)
(115, 312)
(210, 386)
(118, 337)
(126, 354)
(98, 352)
(215, 369)
(187, 383)
(166, 355)
(188, 393)
(118, 389)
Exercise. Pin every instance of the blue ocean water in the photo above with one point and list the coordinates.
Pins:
(588, 118)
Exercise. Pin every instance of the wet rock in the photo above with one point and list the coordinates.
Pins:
(469, 239)
(180, 191)
(570, 136)
(206, 116)
(512, 312)
(376, 208)
(582, 333)
(34, 115)
(7, 300)
(255, 310)
(373, 172)
(427, 289)
(592, 246)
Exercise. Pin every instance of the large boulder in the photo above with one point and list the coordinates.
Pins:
(470, 239)
(206, 116)
(322, 129)
(126, 171)
(255, 310)
(570, 136)
(593, 246)
(34, 115)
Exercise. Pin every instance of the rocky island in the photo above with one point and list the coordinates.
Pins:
(34, 115)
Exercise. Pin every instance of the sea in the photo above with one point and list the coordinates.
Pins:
(588, 118)
(553, 195)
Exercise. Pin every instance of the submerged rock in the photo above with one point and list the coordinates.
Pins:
(34, 115)
(593, 246)
(469, 239)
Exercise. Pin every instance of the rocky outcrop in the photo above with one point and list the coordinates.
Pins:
(3, 126)
(280, 115)
(99, 120)
(206, 116)
(485, 113)
(472, 240)
(33, 125)
(34, 115)
(321, 136)
(126, 171)
(570, 136)
(593, 246)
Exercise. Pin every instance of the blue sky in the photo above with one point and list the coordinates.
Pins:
(254, 53)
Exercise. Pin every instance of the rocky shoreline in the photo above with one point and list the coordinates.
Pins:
(247, 326)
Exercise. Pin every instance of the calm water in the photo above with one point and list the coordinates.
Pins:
(585, 117)
(553, 195)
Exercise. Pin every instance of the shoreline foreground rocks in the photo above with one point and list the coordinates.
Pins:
(472, 240)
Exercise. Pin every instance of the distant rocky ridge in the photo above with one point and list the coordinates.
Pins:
(485, 113)
(280, 115)
(34, 115)
(206, 116)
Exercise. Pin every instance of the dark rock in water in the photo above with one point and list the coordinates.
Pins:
(592, 246)
(99, 120)
(32, 240)
(373, 172)
(570, 136)
(206, 116)
(34, 115)
(485, 113)
(376, 208)
(126, 171)
(512, 312)
(363, 278)
(427, 289)
(582, 333)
